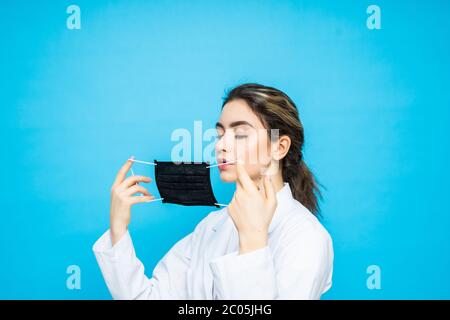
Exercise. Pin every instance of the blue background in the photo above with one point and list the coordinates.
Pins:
(75, 104)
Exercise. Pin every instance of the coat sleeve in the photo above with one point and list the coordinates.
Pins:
(124, 272)
(298, 267)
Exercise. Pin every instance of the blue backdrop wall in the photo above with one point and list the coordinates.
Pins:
(78, 100)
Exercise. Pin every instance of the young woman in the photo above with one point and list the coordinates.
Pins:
(266, 244)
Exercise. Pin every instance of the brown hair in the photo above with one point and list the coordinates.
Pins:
(277, 111)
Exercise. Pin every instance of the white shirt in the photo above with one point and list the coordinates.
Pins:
(297, 263)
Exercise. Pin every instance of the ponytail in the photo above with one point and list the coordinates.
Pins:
(302, 182)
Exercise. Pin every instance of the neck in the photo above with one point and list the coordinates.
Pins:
(277, 181)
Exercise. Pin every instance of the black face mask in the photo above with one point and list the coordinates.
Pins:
(186, 184)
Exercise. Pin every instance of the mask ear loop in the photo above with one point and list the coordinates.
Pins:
(132, 173)
(155, 164)
(221, 164)
(221, 205)
(144, 162)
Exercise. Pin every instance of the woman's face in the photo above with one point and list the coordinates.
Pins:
(241, 136)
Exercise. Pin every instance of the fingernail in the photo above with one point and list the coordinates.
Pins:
(131, 158)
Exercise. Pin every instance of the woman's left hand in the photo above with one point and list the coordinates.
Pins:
(252, 210)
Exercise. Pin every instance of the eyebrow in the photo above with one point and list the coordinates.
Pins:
(234, 124)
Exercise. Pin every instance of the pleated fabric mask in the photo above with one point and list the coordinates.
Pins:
(187, 184)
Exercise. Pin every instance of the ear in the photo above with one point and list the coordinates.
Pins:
(281, 147)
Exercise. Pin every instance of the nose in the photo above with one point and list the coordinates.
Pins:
(220, 146)
(223, 145)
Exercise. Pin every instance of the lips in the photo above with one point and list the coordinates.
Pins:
(223, 164)
(223, 161)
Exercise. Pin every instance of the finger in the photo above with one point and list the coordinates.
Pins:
(128, 182)
(135, 189)
(244, 178)
(239, 186)
(269, 189)
(123, 172)
(135, 200)
(238, 196)
(238, 181)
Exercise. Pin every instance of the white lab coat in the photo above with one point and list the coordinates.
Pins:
(297, 263)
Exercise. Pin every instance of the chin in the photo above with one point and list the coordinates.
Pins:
(228, 176)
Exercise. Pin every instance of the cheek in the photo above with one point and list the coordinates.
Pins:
(247, 150)
(257, 157)
(257, 151)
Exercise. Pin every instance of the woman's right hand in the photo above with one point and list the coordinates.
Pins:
(122, 199)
